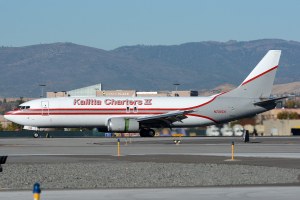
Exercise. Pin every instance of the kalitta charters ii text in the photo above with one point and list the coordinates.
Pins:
(113, 102)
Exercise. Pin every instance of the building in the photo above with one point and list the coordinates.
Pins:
(153, 94)
(272, 114)
(23, 99)
(125, 93)
(96, 90)
(89, 91)
(186, 93)
(276, 127)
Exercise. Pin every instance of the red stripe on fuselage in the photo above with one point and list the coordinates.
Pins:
(102, 113)
(86, 113)
(114, 109)
(51, 111)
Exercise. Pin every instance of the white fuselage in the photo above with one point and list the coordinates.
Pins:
(95, 111)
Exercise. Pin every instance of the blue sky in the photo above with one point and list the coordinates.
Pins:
(113, 23)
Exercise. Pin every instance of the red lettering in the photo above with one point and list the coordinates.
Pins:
(81, 102)
(147, 102)
(77, 101)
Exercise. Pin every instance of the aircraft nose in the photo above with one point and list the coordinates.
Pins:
(9, 116)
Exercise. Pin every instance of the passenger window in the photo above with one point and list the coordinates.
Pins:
(127, 109)
(135, 109)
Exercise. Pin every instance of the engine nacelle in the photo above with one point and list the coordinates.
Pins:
(125, 125)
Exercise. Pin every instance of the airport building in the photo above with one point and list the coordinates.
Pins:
(23, 99)
(276, 127)
(272, 114)
(89, 91)
(125, 93)
(96, 91)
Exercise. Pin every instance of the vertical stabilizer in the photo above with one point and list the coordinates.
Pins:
(259, 82)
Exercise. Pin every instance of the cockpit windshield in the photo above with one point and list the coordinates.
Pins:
(24, 107)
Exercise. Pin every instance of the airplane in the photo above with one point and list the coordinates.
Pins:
(142, 114)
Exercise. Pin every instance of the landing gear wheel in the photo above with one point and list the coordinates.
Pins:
(35, 135)
(147, 133)
(151, 133)
(143, 132)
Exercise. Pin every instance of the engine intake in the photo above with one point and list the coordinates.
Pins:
(125, 125)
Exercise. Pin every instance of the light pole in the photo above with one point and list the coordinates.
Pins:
(64, 93)
(42, 89)
(176, 87)
(21, 100)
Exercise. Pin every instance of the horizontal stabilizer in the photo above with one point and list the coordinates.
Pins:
(269, 102)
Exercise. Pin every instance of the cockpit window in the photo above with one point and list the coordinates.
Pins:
(24, 107)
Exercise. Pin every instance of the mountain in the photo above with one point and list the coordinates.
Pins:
(198, 65)
(278, 89)
(287, 88)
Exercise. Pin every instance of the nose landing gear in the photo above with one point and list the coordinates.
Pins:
(35, 134)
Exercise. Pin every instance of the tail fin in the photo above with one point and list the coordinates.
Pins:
(259, 82)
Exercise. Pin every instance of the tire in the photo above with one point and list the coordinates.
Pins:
(147, 133)
(151, 133)
(35, 135)
(143, 133)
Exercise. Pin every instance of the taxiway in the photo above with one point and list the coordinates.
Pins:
(270, 165)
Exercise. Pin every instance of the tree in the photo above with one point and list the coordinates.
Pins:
(287, 115)
(13, 127)
(290, 104)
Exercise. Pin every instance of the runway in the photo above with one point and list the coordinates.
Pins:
(189, 169)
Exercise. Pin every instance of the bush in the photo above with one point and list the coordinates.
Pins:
(287, 115)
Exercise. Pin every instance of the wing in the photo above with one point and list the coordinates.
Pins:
(163, 120)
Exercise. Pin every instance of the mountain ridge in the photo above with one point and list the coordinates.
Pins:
(195, 65)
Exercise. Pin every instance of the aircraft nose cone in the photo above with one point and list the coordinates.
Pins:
(7, 116)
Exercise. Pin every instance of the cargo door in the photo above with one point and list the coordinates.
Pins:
(45, 108)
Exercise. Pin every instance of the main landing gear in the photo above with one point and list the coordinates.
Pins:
(147, 132)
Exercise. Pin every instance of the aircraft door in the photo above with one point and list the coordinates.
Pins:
(45, 108)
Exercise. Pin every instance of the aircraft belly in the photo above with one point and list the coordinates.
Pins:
(64, 121)
(78, 120)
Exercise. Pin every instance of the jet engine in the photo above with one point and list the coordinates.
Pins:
(119, 124)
